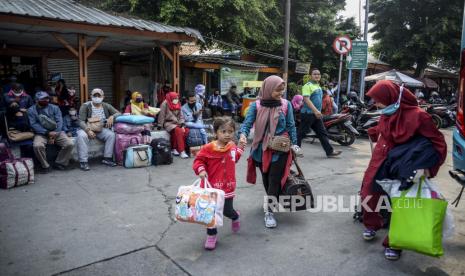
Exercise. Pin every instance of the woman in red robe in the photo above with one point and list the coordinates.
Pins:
(408, 121)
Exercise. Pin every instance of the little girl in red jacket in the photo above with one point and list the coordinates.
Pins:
(217, 160)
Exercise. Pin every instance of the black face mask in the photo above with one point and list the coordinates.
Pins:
(191, 105)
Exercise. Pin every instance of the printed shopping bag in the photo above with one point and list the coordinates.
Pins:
(417, 223)
(204, 206)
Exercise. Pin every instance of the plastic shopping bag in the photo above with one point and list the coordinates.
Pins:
(204, 206)
(417, 222)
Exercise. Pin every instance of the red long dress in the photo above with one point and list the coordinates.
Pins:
(409, 121)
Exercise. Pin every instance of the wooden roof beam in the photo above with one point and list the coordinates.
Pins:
(66, 44)
(97, 43)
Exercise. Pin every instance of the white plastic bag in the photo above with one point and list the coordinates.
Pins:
(204, 206)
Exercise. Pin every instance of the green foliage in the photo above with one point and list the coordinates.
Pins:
(417, 32)
(293, 89)
(254, 24)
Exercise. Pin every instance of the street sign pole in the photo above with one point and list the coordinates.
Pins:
(365, 36)
(349, 81)
(339, 80)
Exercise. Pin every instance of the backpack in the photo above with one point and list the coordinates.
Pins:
(284, 106)
(194, 138)
(161, 152)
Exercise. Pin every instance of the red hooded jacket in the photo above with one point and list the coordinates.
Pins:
(409, 121)
(220, 165)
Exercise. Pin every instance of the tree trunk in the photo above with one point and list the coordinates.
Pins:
(420, 70)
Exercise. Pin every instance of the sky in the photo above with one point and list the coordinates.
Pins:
(352, 10)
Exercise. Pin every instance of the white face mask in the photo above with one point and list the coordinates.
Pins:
(72, 92)
(97, 100)
(175, 101)
(72, 112)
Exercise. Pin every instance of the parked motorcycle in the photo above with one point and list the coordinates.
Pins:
(339, 128)
(362, 119)
(443, 116)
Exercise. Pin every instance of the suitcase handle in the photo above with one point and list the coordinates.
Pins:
(137, 141)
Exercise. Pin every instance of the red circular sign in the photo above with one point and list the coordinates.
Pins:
(342, 45)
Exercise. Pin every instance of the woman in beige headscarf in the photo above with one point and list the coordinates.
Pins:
(272, 116)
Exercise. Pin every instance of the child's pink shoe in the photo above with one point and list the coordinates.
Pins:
(210, 243)
(236, 224)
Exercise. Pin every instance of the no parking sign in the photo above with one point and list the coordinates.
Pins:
(342, 45)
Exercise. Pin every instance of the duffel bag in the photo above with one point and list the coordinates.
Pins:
(125, 128)
(137, 156)
(135, 119)
(16, 172)
(161, 152)
(299, 190)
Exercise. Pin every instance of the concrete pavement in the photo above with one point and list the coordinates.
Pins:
(116, 221)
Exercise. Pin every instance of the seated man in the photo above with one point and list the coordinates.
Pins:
(47, 123)
(192, 113)
(17, 102)
(215, 102)
(106, 113)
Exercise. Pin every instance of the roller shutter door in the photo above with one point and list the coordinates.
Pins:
(100, 74)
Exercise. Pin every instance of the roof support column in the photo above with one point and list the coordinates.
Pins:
(176, 68)
(83, 81)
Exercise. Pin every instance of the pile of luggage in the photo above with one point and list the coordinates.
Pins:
(134, 146)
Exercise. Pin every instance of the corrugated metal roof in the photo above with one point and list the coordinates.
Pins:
(219, 60)
(70, 10)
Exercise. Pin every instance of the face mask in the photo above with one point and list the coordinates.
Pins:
(138, 100)
(97, 100)
(72, 92)
(392, 108)
(72, 112)
(43, 103)
(175, 101)
(191, 105)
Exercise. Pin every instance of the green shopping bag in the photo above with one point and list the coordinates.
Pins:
(416, 223)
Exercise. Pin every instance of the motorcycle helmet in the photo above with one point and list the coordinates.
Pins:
(353, 96)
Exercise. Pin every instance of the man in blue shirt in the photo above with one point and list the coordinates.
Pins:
(47, 123)
(311, 114)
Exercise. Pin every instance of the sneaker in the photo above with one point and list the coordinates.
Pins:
(184, 155)
(335, 153)
(175, 152)
(108, 162)
(236, 224)
(210, 243)
(84, 166)
(392, 254)
(270, 221)
(368, 234)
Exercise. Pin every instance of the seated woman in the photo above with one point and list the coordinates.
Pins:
(171, 119)
(137, 106)
(192, 112)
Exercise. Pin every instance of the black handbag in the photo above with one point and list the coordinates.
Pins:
(297, 185)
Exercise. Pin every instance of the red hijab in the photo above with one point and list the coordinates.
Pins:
(402, 125)
(169, 100)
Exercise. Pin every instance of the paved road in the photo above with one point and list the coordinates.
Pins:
(115, 221)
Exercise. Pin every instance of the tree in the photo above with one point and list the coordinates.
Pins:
(254, 24)
(417, 32)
